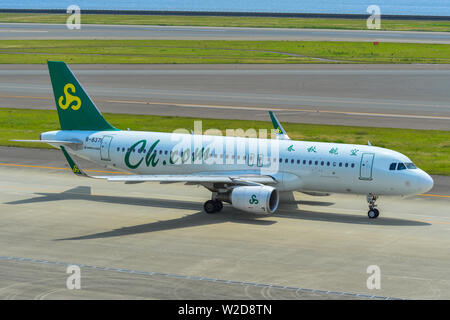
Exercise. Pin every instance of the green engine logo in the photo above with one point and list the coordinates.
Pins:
(253, 200)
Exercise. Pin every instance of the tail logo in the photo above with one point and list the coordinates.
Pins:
(67, 100)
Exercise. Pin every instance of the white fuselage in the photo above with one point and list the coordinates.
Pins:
(296, 165)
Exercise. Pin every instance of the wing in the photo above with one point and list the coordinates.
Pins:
(221, 177)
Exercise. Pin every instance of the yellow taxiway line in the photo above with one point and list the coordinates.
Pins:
(433, 195)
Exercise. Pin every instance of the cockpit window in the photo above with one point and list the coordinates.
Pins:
(410, 165)
(393, 166)
(401, 166)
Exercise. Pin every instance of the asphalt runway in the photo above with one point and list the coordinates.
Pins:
(152, 241)
(399, 96)
(35, 31)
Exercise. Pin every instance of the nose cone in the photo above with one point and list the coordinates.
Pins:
(425, 182)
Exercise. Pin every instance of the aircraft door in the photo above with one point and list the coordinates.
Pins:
(365, 171)
(260, 161)
(251, 159)
(104, 148)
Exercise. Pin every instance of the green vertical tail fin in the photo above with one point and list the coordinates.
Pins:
(76, 110)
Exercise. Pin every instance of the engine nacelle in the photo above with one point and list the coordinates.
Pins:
(256, 199)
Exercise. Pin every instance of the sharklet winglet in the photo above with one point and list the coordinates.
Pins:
(281, 133)
(75, 168)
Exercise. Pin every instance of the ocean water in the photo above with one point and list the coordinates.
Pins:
(404, 7)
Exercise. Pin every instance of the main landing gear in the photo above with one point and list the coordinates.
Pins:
(213, 206)
(373, 212)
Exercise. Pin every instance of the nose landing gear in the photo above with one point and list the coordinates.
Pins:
(373, 212)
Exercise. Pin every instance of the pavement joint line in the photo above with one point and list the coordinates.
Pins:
(178, 276)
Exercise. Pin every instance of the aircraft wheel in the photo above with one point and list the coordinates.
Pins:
(373, 213)
(219, 205)
(210, 206)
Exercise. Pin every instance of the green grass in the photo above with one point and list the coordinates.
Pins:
(218, 51)
(220, 21)
(429, 149)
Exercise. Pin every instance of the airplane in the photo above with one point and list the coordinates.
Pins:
(249, 173)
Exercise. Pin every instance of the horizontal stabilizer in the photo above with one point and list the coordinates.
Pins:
(50, 141)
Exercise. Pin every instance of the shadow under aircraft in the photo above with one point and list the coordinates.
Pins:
(200, 218)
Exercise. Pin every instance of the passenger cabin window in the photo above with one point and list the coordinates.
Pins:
(401, 166)
(393, 166)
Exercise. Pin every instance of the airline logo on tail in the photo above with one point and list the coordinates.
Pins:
(69, 98)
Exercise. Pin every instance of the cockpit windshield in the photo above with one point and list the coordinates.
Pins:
(410, 165)
(402, 166)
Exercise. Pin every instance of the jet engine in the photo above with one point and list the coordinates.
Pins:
(256, 199)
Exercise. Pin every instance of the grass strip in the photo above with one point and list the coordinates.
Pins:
(218, 51)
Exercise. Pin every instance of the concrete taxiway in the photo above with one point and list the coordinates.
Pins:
(402, 96)
(154, 241)
(35, 31)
